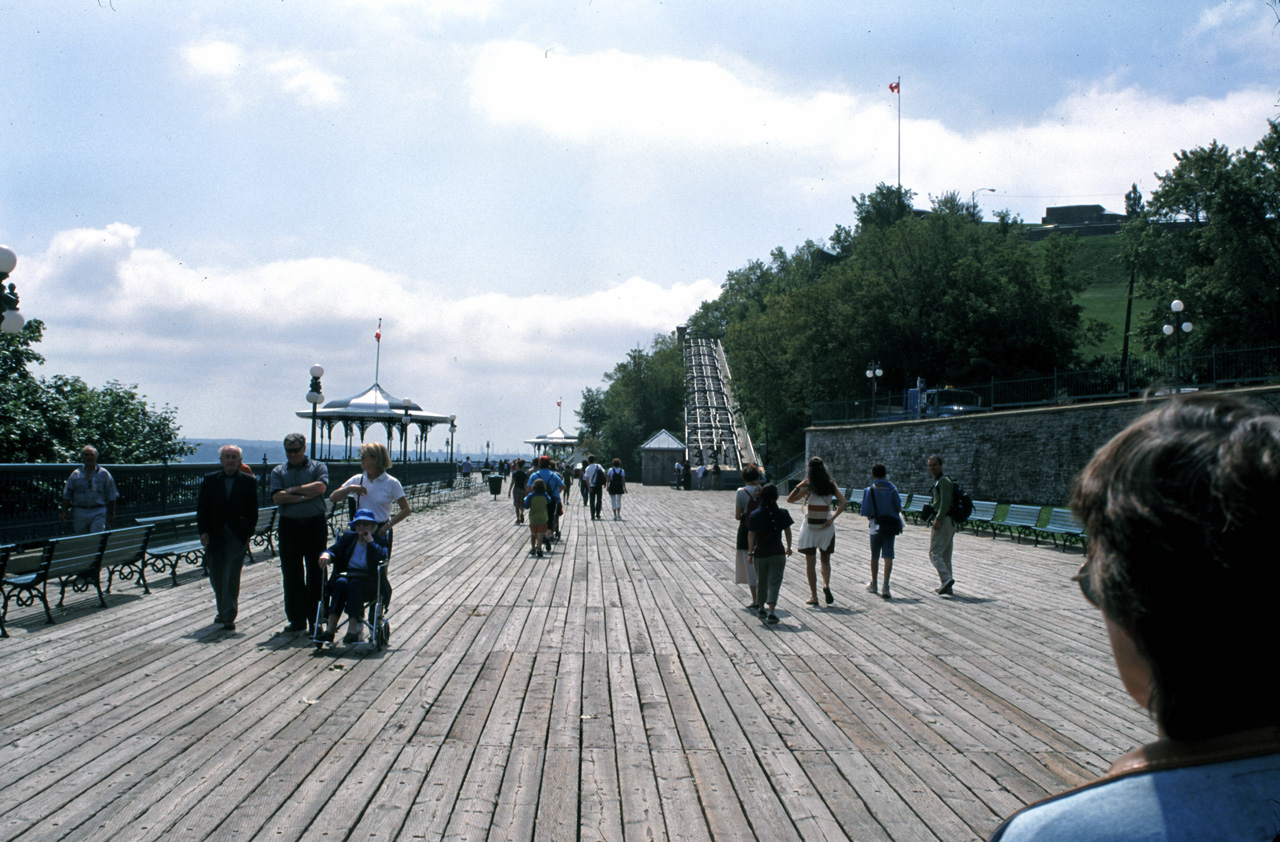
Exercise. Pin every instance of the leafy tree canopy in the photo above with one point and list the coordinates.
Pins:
(645, 394)
(1210, 236)
(50, 420)
(937, 296)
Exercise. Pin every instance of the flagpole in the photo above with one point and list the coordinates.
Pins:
(899, 93)
(377, 360)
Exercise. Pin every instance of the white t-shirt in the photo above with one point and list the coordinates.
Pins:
(381, 497)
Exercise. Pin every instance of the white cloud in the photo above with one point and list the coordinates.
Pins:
(214, 58)
(633, 99)
(1095, 141)
(231, 348)
(243, 74)
(312, 85)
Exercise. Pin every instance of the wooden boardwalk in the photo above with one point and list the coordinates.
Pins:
(616, 690)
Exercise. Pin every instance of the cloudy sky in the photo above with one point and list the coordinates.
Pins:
(207, 197)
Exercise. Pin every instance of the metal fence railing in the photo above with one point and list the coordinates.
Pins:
(1219, 367)
(31, 495)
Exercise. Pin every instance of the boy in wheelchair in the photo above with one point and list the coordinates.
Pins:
(356, 558)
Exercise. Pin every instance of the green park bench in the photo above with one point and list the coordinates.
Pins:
(174, 538)
(984, 511)
(1019, 521)
(1062, 523)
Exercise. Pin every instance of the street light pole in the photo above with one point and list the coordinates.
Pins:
(453, 434)
(11, 321)
(973, 197)
(874, 373)
(1177, 325)
(404, 434)
(315, 397)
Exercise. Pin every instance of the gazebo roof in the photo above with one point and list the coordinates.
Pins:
(375, 404)
(556, 438)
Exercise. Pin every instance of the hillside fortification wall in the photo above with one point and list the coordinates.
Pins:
(1020, 456)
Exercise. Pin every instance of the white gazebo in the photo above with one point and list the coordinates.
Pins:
(358, 413)
(556, 443)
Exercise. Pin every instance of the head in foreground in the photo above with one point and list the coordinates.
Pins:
(1177, 508)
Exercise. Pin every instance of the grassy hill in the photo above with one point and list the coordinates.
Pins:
(1098, 259)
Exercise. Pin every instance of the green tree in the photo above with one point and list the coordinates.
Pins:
(49, 420)
(645, 394)
(938, 296)
(886, 205)
(1210, 236)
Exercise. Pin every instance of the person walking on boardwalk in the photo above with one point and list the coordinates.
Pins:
(616, 481)
(593, 476)
(554, 483)
(519, 481)
(942, 534)
(765, 529)
(744, 503)
(298, 487)
(226, 515)
(1177, 509)
(376, 490)
(539, 504)
(881, 506)
(90, 495)
(818, 531)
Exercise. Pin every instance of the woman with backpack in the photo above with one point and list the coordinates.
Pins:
(818, 532)
(744, 503)
(765, 528)
(881, 506)
(616, 482)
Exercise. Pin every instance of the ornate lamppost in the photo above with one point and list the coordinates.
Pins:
(453, 434)
(404, 434)
(1176, 325)
(12, 319)
(874, 373)
(315, 397)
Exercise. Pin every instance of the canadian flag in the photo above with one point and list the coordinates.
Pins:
(378, 335)
(893, 86)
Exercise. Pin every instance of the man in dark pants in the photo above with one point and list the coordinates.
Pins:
(226, 515)
(593, 478)
(298, 487)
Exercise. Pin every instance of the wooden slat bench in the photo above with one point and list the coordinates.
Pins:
(125, 555)
(1019, 521)
(984, 511)
(264, 532)
(1062, 522)
(175, 538)
(913, 506)
(74, 560)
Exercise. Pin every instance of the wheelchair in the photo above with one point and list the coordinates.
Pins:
(375, 592)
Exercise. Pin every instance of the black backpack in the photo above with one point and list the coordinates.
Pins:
(961, 504)
(616, 481)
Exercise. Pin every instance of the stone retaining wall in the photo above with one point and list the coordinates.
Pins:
(1024, 456)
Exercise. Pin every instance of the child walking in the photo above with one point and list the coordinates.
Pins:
(538, 503)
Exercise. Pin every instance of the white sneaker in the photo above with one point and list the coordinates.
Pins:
(871, 588)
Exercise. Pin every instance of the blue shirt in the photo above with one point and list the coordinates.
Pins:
(1233, 799)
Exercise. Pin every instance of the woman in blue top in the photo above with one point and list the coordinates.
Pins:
(881, 505)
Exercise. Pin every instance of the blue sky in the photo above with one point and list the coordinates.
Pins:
(208, 197)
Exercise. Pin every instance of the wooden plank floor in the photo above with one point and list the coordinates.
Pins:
(616, 690)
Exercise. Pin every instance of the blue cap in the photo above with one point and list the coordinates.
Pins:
(365, 515)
